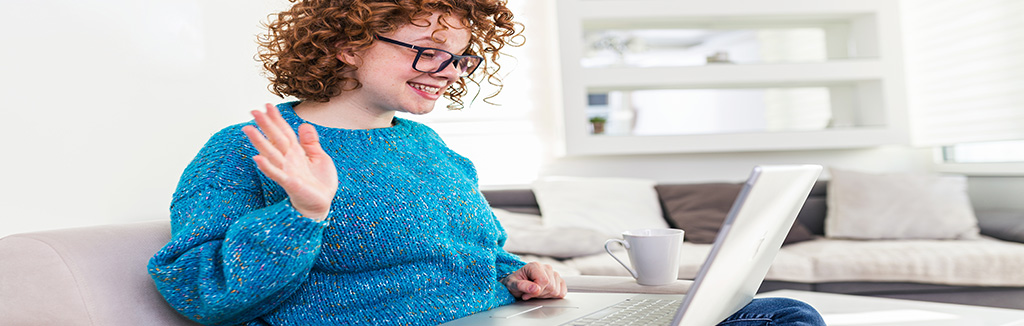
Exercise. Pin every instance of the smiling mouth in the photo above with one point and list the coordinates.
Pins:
(425, 88)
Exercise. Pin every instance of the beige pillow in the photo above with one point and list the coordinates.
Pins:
(899, 206)
(527, 235)
(608, 205)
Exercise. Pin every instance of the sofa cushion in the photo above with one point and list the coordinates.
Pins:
(609, 205)
(691, 256)
(980, 262)
(786, 266)
(527, 235)
(700, 210)
(899, 206)
(557, 264)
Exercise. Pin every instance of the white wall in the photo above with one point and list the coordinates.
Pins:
(986, 192)
(106, 101)
(734, 167)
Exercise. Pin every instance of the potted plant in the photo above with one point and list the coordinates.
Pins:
(597, 124)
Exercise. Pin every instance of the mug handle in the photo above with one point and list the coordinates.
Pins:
(624, 245)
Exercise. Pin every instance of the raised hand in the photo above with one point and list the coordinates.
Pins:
(535, 280)
(298, 164)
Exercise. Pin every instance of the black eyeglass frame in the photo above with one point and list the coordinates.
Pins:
(419, 52)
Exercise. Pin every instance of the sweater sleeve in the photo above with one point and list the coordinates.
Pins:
(231, 258)
(505, 263)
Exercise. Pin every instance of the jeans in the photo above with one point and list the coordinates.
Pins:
(775, 312)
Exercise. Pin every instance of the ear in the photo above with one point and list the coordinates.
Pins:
(349, 57)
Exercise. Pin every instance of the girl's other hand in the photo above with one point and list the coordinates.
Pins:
(298, 164)
(535, 281)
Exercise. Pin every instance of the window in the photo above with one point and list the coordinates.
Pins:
(985, 152)
(963, 73)
(995, 158)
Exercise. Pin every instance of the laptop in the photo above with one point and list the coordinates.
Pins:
(743, 251)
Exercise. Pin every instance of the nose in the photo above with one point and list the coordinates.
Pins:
(450, 72)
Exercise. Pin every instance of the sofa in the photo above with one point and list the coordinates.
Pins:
(84, 276)
(97, 275)
(987, 270)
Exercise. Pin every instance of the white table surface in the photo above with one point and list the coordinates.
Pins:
(847, 310)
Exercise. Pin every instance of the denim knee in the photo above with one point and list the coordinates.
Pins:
(775, 311)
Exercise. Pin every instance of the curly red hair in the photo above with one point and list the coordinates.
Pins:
(300, 48)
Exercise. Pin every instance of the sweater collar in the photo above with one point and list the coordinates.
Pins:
(400, 127)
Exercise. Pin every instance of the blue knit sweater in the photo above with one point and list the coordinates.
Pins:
(410, 240)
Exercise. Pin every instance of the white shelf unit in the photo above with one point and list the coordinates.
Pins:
(872, 83)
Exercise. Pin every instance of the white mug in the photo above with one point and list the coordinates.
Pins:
(654, 254)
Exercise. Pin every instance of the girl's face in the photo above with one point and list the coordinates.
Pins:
(385, 70)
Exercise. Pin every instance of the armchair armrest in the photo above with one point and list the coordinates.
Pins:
(1003, 225)
(621, 284)
(84, 276)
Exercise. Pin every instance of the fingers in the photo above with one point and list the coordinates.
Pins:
(310, 140)
(564, 288)
(275, 137)
(538, 281)
(273, 141)
(265, 148)
(302, 168)
(275, 128)
(277, 119)
(271, 170)
(528, 290)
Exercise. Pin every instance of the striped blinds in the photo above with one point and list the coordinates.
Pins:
(965, 70)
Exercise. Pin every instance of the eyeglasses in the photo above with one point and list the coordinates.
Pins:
(431, 60)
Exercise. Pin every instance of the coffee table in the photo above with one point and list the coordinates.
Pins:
(851, 310)
(838, 309)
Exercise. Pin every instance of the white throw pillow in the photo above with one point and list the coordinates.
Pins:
(527, 235)
(608, 205)
(899, 206)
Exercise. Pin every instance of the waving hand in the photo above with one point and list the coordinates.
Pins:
(298, 164)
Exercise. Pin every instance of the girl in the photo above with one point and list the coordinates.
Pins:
(361, 217)
(333, 211)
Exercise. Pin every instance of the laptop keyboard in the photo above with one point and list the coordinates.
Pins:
(632, 312)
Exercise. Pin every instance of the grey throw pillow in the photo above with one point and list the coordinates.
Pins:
(700, 210)
(1002, 225)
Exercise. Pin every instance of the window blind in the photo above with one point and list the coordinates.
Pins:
(965, 70)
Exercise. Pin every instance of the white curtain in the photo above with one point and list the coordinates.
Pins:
(965, 70)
